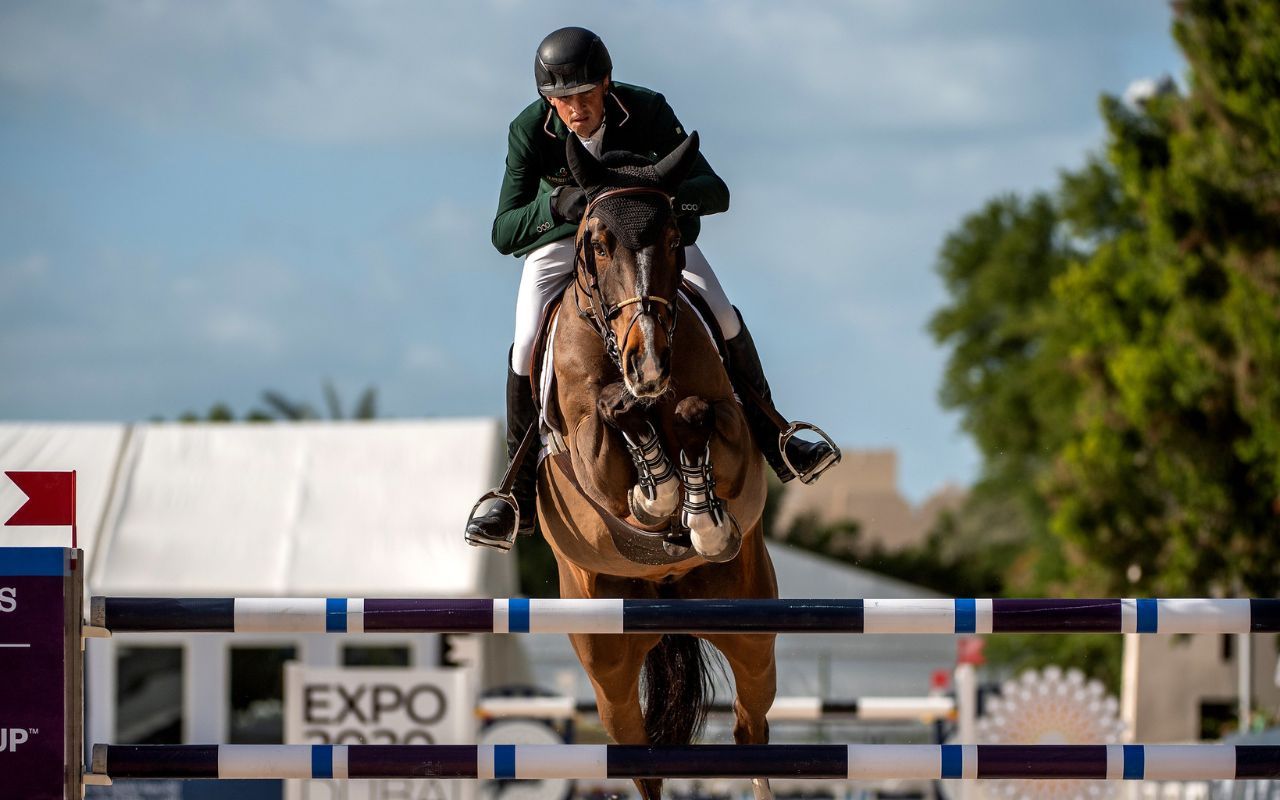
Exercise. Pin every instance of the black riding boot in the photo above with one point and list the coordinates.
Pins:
(810, 459)
(497, 527)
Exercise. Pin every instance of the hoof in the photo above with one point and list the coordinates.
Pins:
(658, 510)
(717, 543)
(636, 502)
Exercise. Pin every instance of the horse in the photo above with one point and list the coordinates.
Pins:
(623, 521)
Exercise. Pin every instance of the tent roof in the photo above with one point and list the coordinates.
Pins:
(313, 508)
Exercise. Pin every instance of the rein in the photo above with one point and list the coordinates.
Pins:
(599, 313)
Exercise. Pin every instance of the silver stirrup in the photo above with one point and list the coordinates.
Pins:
(509, 538)
(816, 470)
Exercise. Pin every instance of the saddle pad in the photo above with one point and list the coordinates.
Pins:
(546, 378)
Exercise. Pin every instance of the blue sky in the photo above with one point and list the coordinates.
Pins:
(200, 201)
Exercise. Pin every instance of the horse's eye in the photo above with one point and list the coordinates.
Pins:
(599, 248)
(675, 242)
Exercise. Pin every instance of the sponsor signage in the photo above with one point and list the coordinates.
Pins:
(37, 598)
(379, 706)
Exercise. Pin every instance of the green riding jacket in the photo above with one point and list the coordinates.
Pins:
(637, 120)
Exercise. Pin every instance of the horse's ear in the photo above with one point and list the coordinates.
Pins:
(583, 166)
(673, 168)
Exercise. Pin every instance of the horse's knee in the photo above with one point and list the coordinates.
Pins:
(620, 409)
(693, 424)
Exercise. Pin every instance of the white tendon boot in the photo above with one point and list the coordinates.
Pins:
(712, 528)
(656, 494)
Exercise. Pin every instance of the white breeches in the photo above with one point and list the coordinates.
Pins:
(548, 270)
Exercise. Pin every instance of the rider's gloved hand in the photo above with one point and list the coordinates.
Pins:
(568, 203)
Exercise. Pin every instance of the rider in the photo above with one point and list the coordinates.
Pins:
(539, 209)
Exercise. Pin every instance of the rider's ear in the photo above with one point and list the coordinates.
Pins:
(673, 168)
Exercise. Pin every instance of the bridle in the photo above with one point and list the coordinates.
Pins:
(599, 313)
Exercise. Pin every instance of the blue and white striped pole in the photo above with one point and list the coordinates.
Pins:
(853, 762)
(784, 709)
(517, 615)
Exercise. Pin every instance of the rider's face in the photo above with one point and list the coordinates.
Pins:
(584, 112)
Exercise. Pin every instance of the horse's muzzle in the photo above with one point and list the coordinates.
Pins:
(647, 377)
(649, 390)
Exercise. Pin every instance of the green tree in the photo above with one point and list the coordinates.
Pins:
(999, 268)
(1115, 346)
(1171, 474)
(284, 408)
(280, 407)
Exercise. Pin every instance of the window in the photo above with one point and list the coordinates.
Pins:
(1217, 718)
(361, 656)
(257, 694)
(149, 695)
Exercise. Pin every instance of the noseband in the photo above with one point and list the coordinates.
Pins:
(599, 313)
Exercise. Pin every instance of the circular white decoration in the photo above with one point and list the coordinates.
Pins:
(1050, 707)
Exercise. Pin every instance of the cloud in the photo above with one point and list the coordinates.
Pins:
(334, 72)
(22, 272)
(235, 328)
(318, 72)
(422, 357)
(211, 199)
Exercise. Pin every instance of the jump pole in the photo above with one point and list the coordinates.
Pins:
(520, 615)
(54, 579)
(784, 709)
(545, 762)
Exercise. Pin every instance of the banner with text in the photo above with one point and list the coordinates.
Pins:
(35, 592)
(379, 706)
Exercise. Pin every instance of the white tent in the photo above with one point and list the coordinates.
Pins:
(361, 509)
(317, 508)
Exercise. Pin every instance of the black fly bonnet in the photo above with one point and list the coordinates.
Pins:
(633, 197)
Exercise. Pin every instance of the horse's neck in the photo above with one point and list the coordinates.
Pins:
(579, 349)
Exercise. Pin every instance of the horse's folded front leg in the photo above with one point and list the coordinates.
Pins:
(656, 493)
(712, 528)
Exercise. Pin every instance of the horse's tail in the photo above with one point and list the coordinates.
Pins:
(677, 690)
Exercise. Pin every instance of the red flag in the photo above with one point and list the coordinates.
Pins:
(969, 650)
(51, 498)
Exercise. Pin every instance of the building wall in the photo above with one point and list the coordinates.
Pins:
(864, 487)
(1178, 673)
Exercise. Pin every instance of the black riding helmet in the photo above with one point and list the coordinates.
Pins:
(570, 61)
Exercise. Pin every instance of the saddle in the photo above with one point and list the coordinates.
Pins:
(641, 545)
